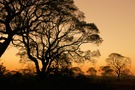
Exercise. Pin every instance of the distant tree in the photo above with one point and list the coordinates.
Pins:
(106, 71)
(66, 72)
(119, 63)
(29, 69)
(92, 71)
(15, 17)
(2, 69)
(56, 41)
(76, 71)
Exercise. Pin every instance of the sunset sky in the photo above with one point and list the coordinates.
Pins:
(116, 22)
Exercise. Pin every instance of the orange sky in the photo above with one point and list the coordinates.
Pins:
(116, 22)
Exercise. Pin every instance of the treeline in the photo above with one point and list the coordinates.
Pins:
(70, 79)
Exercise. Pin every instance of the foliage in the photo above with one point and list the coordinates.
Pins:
(119, 63)
(77, 71)
(107, 71)
(92, 71)
(55, 38)
(29, 69)
(2, 69)
(15, 17)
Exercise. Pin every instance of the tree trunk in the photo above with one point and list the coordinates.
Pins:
(44, 70)
(119, 74)
(35, 61)
(37, 68)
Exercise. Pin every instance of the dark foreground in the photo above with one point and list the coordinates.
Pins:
(65, 83)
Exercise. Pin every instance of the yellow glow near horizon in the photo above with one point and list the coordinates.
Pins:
(116, 22)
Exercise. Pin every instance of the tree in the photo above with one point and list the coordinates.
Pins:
(57, 39)
(76, 71)
(15, 17)
(92, 71)
(2, 69)
(107, 71)
(119, 63)
(29, 69)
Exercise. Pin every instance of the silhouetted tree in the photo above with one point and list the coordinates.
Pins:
(15, 17)
(29, 69)
(76, 71)
(60, 34)
(119, 63)
(107, 71)
(66, 72)
(92, 71)
(2, 69)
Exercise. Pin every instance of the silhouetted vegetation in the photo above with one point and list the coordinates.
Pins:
(75, 80)
(118, 63)
(56, 37)
(2, 69)
(67, 78)
(107, 71)
(92, 71)
(49, 33)
(14, 20)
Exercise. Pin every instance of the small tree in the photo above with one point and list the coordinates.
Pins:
(119, 63)
(92, 71)
(77, 71)
(2, 69)
(106, 71)
(29, 69)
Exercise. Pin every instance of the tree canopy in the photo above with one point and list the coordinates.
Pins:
(92, 71)
(118, 62)
(107, 71)
(46, 31)
(59, 36)
(15, 17)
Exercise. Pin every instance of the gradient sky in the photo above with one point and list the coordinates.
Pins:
(116, 22)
